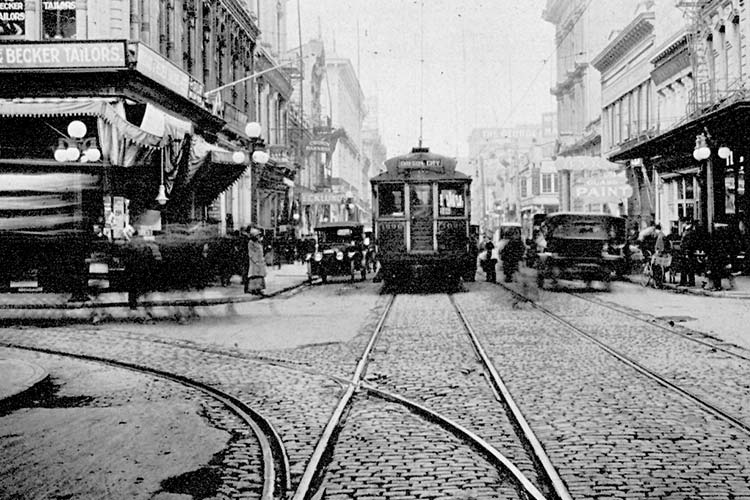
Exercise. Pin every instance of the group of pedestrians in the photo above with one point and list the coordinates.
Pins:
(696, 251)
(510, 256)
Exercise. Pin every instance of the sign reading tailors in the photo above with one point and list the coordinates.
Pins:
(62, 55)
(12, 18)
(59, 19)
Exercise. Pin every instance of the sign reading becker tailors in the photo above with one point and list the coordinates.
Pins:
(62, 55)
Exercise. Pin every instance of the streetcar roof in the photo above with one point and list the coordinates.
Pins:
(420, 164)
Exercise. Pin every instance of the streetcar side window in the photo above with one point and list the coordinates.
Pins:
(452, 202)
(391, 200)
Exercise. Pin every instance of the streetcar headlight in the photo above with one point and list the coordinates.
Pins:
(339, 256)
(318, 256)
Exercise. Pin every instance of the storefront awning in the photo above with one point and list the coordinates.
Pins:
(105, 109)
(212, 169)
(122, 142)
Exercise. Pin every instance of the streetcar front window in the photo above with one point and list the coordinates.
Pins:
(391, 200)
(452, 202)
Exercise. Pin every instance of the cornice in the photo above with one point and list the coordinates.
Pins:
(632, 35)
(668, 49)
(242, 16)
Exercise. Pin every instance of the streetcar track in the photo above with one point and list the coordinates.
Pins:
(662, 327)
(276, 468)
(708, 407)
(506, 398)
(313, 483)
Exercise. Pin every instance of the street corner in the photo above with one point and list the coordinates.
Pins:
(18, 376)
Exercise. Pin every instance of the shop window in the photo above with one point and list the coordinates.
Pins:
(391, 200)
(12, 19)
(59, 20)
(451, 199)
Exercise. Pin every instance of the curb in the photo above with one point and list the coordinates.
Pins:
(28, 376)
(88, 311)
(722, 294)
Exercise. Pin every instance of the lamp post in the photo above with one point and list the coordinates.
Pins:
(702, 153)
(77, 147)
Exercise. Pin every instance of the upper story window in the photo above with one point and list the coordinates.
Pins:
(58, 20)
(549, 183)
(524, 187)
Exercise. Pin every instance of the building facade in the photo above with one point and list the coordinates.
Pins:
(696, 154)
(582, 30)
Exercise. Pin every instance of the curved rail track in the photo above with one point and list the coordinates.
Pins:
(706, 405)
(276, 470)
(311, 484)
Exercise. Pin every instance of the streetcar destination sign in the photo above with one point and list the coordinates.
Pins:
(420, 163)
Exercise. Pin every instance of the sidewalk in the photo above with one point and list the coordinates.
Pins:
(57, 307)
(741, 289)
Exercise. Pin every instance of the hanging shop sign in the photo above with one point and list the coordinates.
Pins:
(318, 147)
(20, 56)
(12, 19)
(320, 198)
(607, 187)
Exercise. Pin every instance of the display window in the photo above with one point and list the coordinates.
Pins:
(59, 20)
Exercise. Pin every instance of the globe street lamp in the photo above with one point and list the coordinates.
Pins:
(76, 147)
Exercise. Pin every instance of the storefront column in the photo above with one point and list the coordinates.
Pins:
(718, 189)
(565, 190)
(704, 199)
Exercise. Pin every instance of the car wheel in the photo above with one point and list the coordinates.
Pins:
(364, 274)
(324, 278)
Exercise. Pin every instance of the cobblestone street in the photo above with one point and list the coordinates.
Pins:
(609, 431)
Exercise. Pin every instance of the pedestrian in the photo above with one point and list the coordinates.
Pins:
(689, 245)
(511, 255)
(278, 250)
(256, 268)
(718, 257)
(489, 262)
(660, 241)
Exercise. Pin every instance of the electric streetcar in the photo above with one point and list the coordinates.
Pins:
(421, 219)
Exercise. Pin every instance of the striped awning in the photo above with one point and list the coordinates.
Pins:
(42, 200)
(104, 108)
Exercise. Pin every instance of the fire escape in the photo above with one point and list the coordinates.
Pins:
(706, 95)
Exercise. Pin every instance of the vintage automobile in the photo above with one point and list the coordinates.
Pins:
(585, 246)
(339, 251)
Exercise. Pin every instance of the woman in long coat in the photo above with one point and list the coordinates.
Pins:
(256, 267)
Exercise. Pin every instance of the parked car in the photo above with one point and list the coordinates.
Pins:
(339, 251)
(585, 246)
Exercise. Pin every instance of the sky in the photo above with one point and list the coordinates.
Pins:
(487, 63)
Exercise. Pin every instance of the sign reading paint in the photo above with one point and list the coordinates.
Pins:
(606, 187)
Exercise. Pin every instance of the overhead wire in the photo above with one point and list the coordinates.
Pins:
(561, 37)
